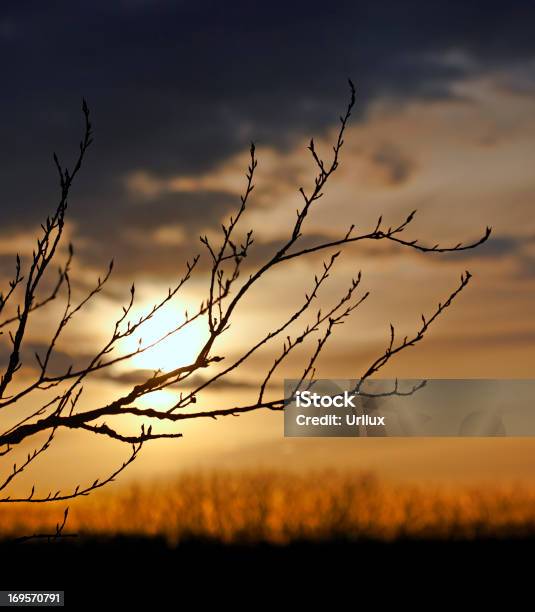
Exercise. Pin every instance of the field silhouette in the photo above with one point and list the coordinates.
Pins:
(281, 508)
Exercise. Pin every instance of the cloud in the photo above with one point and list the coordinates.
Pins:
(457, 161)
(60, 361)
(444, 123)
(177, 88)
(398, 167)
(134, 377)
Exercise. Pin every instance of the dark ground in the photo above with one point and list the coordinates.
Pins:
(146, 572)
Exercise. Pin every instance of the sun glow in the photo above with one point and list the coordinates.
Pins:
(178, 349)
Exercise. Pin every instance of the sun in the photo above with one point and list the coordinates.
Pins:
(179, 349)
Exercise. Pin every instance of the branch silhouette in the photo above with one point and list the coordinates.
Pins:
(225, 292)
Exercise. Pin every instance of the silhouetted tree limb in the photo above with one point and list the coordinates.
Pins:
(50, 537)
(225, 293)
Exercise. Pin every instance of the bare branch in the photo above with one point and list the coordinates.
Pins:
(225, 292)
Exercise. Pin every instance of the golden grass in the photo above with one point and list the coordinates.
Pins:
(281, 507)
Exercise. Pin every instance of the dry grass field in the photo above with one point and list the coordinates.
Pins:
(280, 508)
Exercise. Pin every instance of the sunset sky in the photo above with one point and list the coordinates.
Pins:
(444, 123)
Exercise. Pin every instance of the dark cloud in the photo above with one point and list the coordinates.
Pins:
(397, 165)
(518, 249)
(496, 247)
(137, 376)
(126, 230)
(60, 360)
(176, 87)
